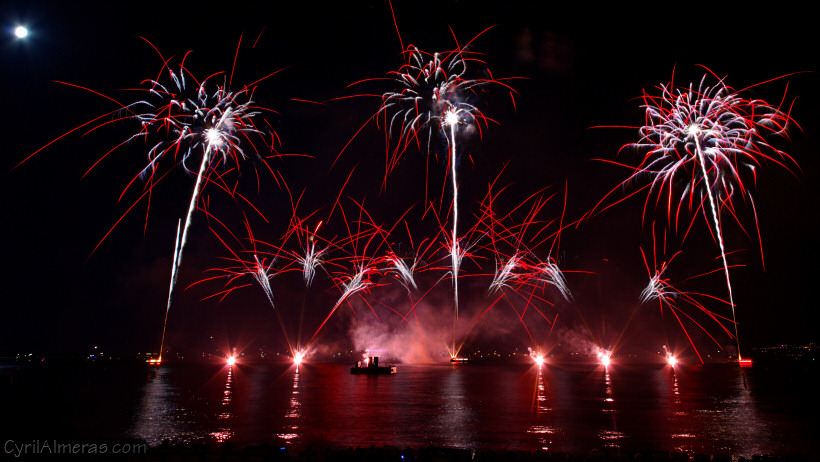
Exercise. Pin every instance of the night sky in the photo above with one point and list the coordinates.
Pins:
(580, 68)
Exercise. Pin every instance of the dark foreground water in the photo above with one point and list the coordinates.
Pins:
(717, 409)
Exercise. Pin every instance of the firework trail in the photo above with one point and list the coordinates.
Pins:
(263, 274)
(308, 260)
(170, 287)
(452, 120)
(706, 135)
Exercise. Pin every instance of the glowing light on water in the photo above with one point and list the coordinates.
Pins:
(605, 357)
(298, 357)
(231, 360)
(671, 360)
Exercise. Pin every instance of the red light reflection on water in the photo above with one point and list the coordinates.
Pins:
(224, 433)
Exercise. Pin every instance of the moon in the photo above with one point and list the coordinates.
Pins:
(20, 32)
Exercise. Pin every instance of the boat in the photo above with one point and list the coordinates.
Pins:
(459, 360)
(370, 366)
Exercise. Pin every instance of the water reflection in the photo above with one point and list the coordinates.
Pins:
(610, 437)
(703, 410)
(160, 415)
(541, 407)
(294, 412)
(733, 421)
(681, 437)
(456, 417)
(224, 417)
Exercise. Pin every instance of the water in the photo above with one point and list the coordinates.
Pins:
(568, 408)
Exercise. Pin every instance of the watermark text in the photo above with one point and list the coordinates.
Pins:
(17, 448)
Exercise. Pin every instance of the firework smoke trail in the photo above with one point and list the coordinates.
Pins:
(708, 133)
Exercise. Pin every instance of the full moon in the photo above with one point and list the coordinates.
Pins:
(20, 32)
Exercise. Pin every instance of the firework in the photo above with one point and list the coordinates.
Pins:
(402, 270)
(707, 135)
(431, 93)
(549, 273)
(671, 359)
(658, 288)
(504, 275)
(661, 289)
(260, 270)
(310, 260)
(537, 357)
(263, 274)
(190, 119)
(358, 282)
(350, 285)
(184, 121)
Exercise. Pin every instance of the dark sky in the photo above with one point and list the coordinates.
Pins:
(580, 67)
